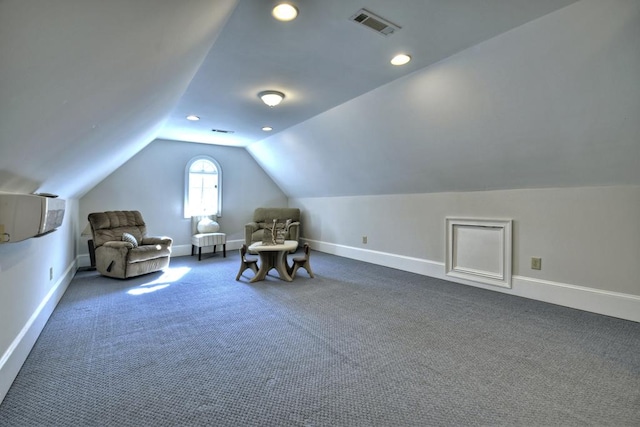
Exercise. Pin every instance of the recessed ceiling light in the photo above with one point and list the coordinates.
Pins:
(400, 59)
(271, 97)
(285, 12)
(193, 118)
(267, 128)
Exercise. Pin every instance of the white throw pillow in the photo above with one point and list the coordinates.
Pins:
(126, 237)
(207, 225)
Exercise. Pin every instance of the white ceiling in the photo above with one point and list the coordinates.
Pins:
(86, 84)
(322, 59)
(500, 93)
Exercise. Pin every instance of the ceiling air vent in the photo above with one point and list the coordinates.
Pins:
(374, 22)
(221, 131)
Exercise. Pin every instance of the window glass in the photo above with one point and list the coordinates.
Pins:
(203, 193)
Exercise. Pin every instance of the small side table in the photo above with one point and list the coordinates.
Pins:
(208, 239)
(273, 256)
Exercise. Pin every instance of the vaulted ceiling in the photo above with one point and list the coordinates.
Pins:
(499, 93)
(323, 59)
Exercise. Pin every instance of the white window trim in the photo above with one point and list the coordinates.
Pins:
(186, 184)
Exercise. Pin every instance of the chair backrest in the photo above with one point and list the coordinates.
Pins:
(305, 254)
(244, 250)
(109, 226)
(281, 214)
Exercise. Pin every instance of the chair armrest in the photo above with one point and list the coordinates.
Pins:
(117, 244)
(294, 231)
(249, 229)
(157, 240)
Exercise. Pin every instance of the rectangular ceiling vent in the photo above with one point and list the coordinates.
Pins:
(374, 22)
(222, 131)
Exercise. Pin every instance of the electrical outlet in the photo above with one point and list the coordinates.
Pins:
(50, 273)
(364, 240)
(536, 263)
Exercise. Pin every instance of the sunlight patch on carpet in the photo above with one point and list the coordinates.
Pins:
(169, 276)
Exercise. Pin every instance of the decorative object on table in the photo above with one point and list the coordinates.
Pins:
(301, 261)
(263, 220)
(281, 231)
(246, 262)
(275, 235)
(204, 232)
(120, 259)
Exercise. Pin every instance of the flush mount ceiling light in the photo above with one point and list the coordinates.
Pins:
(284, 12)
(400, 59)
(271, 97)
(267, 128)
(193, 118)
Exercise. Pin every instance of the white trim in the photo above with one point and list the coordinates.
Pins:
(16, 354)
(502, 252)
(608, 303)
(186, 184)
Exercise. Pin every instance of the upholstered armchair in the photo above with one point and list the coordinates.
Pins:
(263, 218)
(122, 246)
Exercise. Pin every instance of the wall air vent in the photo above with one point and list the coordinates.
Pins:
(374, 22)
(221, 131)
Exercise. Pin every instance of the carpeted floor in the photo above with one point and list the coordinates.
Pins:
(359, 345)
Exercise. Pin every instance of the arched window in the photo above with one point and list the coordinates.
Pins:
(203, 187)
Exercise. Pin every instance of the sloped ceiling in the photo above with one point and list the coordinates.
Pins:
(322, 59)
(86, 84)
(500, 93)
(552, 103)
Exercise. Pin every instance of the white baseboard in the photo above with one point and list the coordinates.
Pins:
(15, 356)
(83, 260)
(615, 304)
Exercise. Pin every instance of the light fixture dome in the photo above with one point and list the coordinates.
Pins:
(285, 12)
(401, 59)
(271, 97)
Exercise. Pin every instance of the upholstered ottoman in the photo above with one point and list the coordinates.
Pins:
(208, 239)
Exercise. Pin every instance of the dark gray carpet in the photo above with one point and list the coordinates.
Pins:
(359, 345)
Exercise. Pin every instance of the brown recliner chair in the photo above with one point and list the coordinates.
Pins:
(122, 246)
(263, 218)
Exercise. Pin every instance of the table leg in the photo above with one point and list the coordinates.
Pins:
(266, 264)
(269, 260)
(281, 266)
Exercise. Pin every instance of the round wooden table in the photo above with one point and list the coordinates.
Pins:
(273, 256)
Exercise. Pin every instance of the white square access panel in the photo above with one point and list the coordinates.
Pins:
(479, 250)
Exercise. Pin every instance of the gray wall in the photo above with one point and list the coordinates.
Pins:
(586, 237)
(153, 183)
(27, 293)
